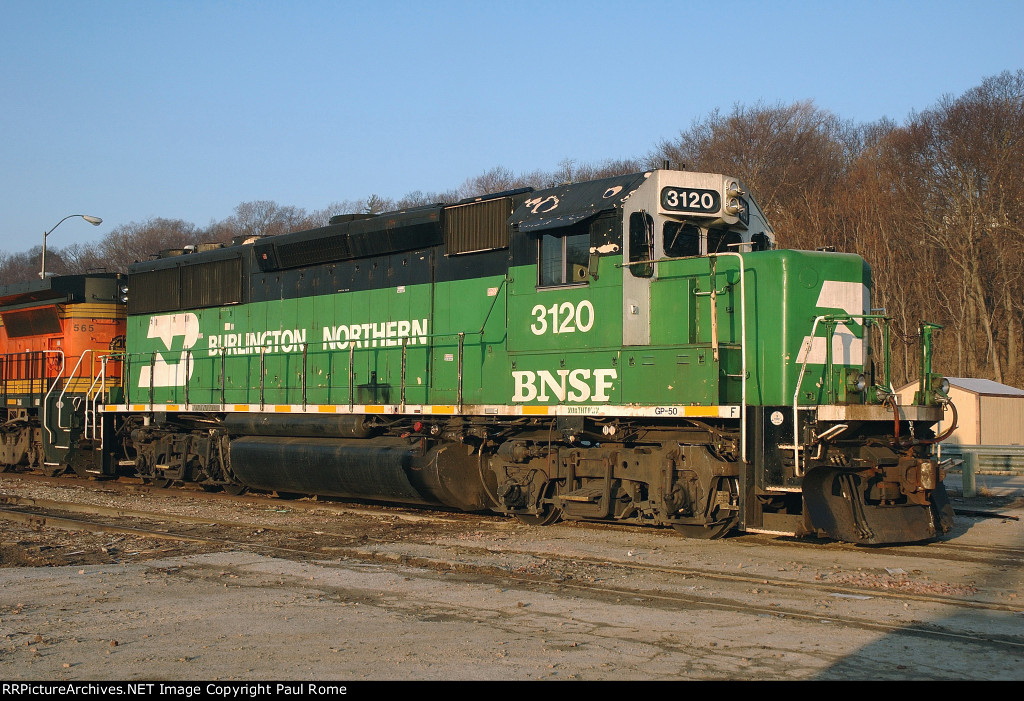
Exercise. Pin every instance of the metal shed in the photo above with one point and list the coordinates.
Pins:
(989, 413)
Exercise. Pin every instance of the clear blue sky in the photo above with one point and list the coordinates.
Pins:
(180, 109)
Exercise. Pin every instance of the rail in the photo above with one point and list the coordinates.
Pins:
(984, 458)
(831, 322)
(46, 399)
(975, 460)
(38, 375)
(743, 341)
(715, 344)
(91, 396)
(64, 389)
(24, 374)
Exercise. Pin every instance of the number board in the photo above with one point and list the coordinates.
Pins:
(679, 199)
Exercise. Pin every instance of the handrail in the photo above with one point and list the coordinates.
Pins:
(713, 257)
(195, 357)
(831, 320)
(21, 366)
(351, 376)
(462, 340)
(743, 346)
(92, 400)
(90, 405)
(494, 301)
(714, 323)
(46, 399)
(305, 347)
(405, 350)
(64, 389)
(263, 374)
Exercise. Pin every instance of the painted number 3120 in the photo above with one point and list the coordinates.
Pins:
(564, 318)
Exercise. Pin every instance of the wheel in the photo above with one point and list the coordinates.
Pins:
(235, 489)
(697, 532)
(162, 483)
(548, 515)
(54, 470)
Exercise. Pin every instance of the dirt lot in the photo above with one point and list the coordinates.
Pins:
(307, 590)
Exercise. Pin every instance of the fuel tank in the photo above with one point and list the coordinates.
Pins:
(384, 469)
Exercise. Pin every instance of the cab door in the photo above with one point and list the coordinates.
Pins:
(638, 272)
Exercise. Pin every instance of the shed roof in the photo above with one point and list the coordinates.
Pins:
(979, 386)
(976, 385)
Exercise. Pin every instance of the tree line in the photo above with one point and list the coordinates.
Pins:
(935, 205)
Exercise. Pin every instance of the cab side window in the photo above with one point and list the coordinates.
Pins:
(563, 259)
(641, 244)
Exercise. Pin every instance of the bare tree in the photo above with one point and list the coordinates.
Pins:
(134, 241)
(497, 179)
(83, 258)
(791, 156)
(958, 169)
(25, 266)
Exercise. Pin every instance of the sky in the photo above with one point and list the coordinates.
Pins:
(184, 109)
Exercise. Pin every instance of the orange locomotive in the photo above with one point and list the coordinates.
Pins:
(61, 343)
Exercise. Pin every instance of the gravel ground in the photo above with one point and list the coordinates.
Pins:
(426, 595)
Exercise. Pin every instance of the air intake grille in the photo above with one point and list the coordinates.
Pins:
(479, 226)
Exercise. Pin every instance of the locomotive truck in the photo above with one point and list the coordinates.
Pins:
(633, 349)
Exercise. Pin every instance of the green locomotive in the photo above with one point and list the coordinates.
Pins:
(631, 349)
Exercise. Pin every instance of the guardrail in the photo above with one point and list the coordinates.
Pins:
(982, 459)
(986, 458)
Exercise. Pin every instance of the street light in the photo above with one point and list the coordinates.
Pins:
(95, 221)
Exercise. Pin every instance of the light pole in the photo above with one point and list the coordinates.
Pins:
(95, 221)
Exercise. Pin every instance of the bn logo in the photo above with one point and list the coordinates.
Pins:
(168, 328)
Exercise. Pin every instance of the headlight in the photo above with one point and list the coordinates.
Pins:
(856, 381)
(940, 384)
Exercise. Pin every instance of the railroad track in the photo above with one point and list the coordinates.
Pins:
(990, 555)
(39, 513)
(53, 514)
(993, 556)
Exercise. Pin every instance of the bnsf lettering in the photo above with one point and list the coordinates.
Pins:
(563, 385)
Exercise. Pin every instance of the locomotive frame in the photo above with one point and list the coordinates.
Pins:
(632, 349)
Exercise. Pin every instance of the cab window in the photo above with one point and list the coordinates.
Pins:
(681, 239)
(641, 243)
(563, 259)
(722, 241)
